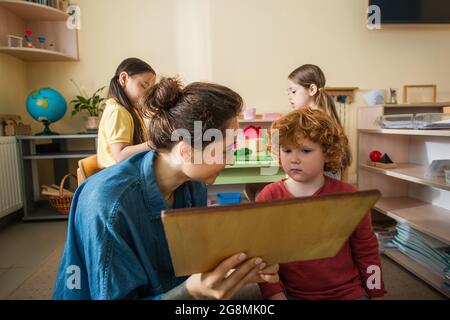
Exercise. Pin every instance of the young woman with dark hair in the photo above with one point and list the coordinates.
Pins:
(116, 242)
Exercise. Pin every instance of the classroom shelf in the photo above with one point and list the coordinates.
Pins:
(33, 11)
(44, 211)
(61, 155)
(35, 208)
(43, 21)
(408, 132)
(407, 195)
(422, 216)
(417, 105)
(417, 269)
(410, 172)
(34, 54)
(60, 137)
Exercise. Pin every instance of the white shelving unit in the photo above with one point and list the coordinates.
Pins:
(407, 195)
(16, 16)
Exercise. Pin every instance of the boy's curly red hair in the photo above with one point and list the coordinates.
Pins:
(318, 127)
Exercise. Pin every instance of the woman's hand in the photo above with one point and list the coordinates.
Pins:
(217, 285)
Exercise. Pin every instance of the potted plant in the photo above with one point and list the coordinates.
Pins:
(91, 105)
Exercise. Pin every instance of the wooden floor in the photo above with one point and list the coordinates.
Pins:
(30, 254)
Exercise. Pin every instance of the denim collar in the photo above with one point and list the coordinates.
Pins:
(153, 196)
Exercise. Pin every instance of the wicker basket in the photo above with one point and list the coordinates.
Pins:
(62, 202)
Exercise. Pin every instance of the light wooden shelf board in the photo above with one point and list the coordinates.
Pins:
(30, 11)
(35, 54)
(247, 175)
(62, 136)
(61, 155)
(252, 164)
(408, 132)
(417, 269)
(256, 121)
(411, 105)
(422, 216)
(410, 172)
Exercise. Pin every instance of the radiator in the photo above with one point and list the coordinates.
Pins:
(10, 183)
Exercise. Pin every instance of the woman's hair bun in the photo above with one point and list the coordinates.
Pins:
(164, 95)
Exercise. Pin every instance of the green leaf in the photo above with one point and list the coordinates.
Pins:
(82, 99)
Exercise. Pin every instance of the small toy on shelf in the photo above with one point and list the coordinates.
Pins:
(14, 41)
(41, 42)
(271, 116)
(249, 113)
(224, 198)
(252, 132)
(16, 128)
(28, 39)
(256, 140)
(377, 160)
(393, 96)
(375, 156)
(242, 154)
(447, 176)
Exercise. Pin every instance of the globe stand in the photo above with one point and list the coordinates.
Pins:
(47, 131)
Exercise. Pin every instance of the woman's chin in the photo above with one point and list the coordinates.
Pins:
(209, 180)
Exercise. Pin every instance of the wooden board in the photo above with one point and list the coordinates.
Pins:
(278, 231)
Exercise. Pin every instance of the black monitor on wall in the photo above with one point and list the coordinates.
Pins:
(413, 11)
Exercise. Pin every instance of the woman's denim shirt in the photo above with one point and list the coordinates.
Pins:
(116, 246)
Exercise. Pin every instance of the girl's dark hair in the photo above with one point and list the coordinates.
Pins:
(132, 66)
(309, 74)
(173, 107)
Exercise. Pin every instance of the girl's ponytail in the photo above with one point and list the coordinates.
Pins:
(326, 102)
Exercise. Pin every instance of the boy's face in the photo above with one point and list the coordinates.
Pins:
(304, 162)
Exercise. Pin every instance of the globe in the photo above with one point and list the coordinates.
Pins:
(47, 106)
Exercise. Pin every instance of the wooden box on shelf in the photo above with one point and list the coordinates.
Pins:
(61, 43)
(381, 165)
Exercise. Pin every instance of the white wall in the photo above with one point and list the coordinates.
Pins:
(250, 45)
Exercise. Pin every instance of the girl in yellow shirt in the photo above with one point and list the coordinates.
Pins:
(122, 132)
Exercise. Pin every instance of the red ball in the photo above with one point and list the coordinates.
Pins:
(376, 156)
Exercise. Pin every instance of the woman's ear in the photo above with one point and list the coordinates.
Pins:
(123, 79)
(184, 152)
(313, 90)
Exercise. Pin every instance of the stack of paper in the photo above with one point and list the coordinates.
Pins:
(385, 232)
(426, 250)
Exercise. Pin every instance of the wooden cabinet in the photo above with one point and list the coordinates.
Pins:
(44, 21)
